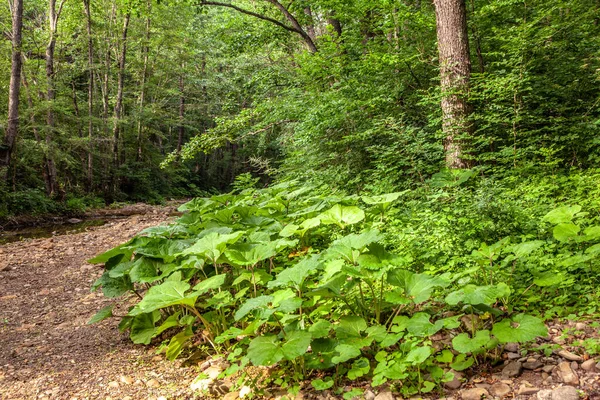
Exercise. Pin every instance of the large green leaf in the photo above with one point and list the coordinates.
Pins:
(296, 343)
(342, 215)
(418, 355)
(142, 327)
(167, 294)
(295, 275)
(562, 214)
(252, 304)
(350, 326)
(211, 283)
(465, 344)
(345, 352)
(265, 350)
(523, 249)
(417, 287)
(472, 294)
(521, 328)
(565, 231)
(101, 315)
(213, 245)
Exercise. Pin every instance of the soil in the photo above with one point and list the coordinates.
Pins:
(47, 350)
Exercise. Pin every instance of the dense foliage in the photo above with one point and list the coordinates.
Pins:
(357, 287)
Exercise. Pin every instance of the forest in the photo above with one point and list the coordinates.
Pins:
(379, 196)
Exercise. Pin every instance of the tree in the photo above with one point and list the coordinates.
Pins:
(15, 86)
(455, 73)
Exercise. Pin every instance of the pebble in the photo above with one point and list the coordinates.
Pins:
(589, 365)
(499, 389)
(126, 380)
(532, 365)
(527, 390)
(385, 395)
(369, 395)
(511, 347)
(513, 356)
(567, 375)
(231, 396)
(456, 382)
(545, 394)
(152, 383)
(580, 326)
(473, 394)
(565, 393)
(113, 384)
(548, 368)
(245, 391)
(512, 370)
(569, 356)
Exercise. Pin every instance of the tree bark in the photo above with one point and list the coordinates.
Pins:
(12, 128)
(90, 158)
(145, 53)
(181, 127)
(455, 72)
(120, 87)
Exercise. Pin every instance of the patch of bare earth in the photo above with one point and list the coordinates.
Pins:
(47, 350)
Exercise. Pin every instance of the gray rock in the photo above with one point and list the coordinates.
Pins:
(565, 393)
(567, 375)
(511, 347)
(589, 365)
(574, 365)
(580, 326)
(513, 356)
(548, 368)
(567, 355)
(532, 365)
(512, 370)
(474, 394)
(499, 389)
(369, 395)
(385, 395)
(74, 220)
(545, 394)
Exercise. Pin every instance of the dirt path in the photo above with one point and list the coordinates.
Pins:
(47, 351)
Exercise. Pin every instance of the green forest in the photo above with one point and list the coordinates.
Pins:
(379, 193)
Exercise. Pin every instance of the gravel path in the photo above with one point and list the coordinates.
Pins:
(47, 350)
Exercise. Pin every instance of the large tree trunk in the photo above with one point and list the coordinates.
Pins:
(12, 128)
(181, 128)
(90, 158)
(455, 71)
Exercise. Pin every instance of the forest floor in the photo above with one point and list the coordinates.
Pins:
(47, 350)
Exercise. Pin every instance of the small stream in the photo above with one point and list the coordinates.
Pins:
(52, 229)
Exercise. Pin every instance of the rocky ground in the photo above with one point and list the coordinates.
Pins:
(47, 350)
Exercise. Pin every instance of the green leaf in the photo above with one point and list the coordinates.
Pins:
(101, 315)
(384, 199)
(523, 249)
(342, 215)
(350, 326)
(167, 294)
(178, 342)
(143, 329)
(564, 231)
(353, 394)
(521, 328)
(417, 287)
(562, 214)
(289, 230)
(252, 304)
(345, 352)
(296, 344)
(462, 362)
(213, 245)
(170, 322)
(295, 275)
(472, 294)
(265, 351)
(320, 384)
(359, 368)
(250, 254)
(464, 344)
(320, 329)
(418, 355)
(214, 282)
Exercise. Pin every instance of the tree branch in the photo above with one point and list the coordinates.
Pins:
(248, 12)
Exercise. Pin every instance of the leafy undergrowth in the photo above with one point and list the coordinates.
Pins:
(305, 282)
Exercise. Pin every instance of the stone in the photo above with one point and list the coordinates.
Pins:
(152, 383)
(231, 396)
(385, 395)
(512, 370)
(567, 375)
(580, 326)
(565, 393)
(567, 355)
(212, 372)
(513, 356)
(161, 398)
(589, 365)
(531, 365)
(205, 365)
(474, 394)
(511, 347)
(113, 384)
(574, 365)
(548, 368)
(127, 380)
(545, 394)
(526, 390)
(499, 389)
(456, 382)
(369, 395)
(245, 391)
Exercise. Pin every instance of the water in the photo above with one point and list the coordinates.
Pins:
(48, 230)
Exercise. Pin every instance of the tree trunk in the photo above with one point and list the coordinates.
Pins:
(90, 158)
(14, 88)
(145, 52)
(455, 71)
(310, 28)
(181, 127)
(119, 100)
